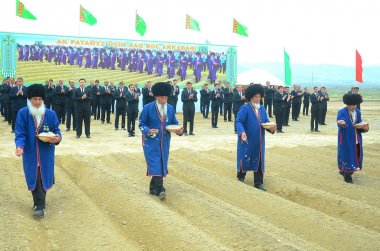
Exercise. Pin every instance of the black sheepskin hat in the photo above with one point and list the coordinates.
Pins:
(36, 90)
(162, 89)
(352, 99)
(254, 89)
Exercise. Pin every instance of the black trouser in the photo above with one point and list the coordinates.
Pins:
(156, 185)
(221, 108)
(214, 116)
(59, 110)
(258, 176)
(279, 113)
(295, 110)
(227, 109)
(14, 116)
(314, 119)
(188, 115)
(120, 111)
(106, 108)
(205, 107)
(268, 106)
(322, 115)
(82, 115)
(8, 112)
(2, 107)
(305, 109)
(287, 114)
(175, 105)
(39, 194)
(49, 103)
(113, 106)
(131, 120)
(70, 112)
(235, 117)
(96, 109)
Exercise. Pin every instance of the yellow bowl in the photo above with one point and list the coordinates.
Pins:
(45, 138)
(358, 126)
(268, 125)
(172, 128)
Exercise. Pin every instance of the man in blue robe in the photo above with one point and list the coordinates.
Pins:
(37, 156)
(198, 65)
(149, 62)
(170, 64)
(95, 58)
(350, 143)
(87, 55)
(159, 64)
(251, 136)
(213, 65)
(123, 60)
(153, 120)
(183, 65)
(141, 61)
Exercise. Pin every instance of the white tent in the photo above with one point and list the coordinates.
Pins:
(258, 76)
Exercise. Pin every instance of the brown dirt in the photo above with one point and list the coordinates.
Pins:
(100, 200)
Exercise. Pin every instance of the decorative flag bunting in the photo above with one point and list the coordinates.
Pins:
(87, 17)
(288, 72)
(239, 29)
(359, 68)
(192, 24)
(22, 12)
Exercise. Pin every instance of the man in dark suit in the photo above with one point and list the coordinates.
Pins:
(173, 98)
(188, 97)
(221, 87)
(205, 100)
(82, 97)
(121, 105)
(216, 99)
(106, 101)
(147, 93)
(239, 101)
(280, 106)
(5, 90)
(296, 102)
(96, 100)
(315, 100)
(268, 98)
(59, 101)
(288, 105)
(306, 102)
(137, 89)
(132, 109)
(49, 89)
(70, 106)
(19, 99)
(228, 99)
(323, 106)
(113, 89)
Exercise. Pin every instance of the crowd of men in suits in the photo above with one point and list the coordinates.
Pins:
(148, 61)
(76, 105)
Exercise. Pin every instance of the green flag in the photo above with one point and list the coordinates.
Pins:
(192, 24)
(87, 17)
(140, 25)
(288, 72)
(21, 11)
(239, 29)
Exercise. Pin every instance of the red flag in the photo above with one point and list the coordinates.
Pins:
(359, 68)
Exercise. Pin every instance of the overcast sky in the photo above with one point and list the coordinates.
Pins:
(312, 31)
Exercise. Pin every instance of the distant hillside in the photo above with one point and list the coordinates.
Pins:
(328, 75)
